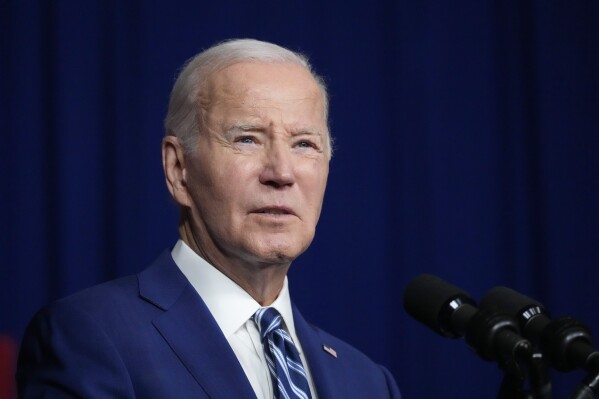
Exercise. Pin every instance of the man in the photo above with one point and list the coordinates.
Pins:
(246, 157)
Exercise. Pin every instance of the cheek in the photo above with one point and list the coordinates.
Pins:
(233, 182)
(315, 179)
(318, 174)
(208, 190)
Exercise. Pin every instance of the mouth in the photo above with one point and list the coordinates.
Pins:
(274, 211)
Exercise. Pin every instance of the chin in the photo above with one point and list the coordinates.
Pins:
(279, 253)
(280, 257)
(279, 248)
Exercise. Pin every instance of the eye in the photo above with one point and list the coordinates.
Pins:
(246, 140)
(305, 144)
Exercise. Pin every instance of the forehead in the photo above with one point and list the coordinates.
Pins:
(252, 84)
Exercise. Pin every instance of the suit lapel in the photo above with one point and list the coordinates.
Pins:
(192, 333)
(326, 369)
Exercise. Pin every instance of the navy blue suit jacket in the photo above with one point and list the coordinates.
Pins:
(152, 336)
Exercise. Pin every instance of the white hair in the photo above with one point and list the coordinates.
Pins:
(183, 116)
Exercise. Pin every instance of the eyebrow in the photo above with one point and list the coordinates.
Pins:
(245, 127)
(307, 132)
(248, 127)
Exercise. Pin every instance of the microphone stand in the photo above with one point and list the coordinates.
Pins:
(495, 336)
(588, 387)
(524, 363)
(570, 346)
(539, 379)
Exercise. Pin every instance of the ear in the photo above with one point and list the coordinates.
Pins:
(173, 163)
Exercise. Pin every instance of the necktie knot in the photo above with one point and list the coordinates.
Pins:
(268, 320)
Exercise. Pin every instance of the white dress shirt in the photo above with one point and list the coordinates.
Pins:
(233, 309)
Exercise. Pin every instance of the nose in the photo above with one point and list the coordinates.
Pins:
(278, 166)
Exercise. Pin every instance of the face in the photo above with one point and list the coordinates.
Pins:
(257, 178)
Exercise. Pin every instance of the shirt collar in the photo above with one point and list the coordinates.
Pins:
(229, 304)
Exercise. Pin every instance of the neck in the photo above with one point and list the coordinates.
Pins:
(261, 280)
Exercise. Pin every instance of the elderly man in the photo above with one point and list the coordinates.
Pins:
(246, 157)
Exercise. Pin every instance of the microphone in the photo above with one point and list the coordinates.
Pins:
(440, 306)
(567, 343)
(452, 313)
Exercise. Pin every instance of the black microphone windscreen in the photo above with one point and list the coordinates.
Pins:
(531, 316)
(427, 299)
(509, 301)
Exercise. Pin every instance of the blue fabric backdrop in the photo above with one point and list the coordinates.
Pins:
(467, 146)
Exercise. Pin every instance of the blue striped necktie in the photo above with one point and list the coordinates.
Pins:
(284, 362)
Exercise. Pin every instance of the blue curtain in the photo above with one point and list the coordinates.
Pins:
(467, 146)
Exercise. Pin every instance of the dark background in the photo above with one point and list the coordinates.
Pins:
(467, 146)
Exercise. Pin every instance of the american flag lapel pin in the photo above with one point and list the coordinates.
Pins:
(330, 351)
